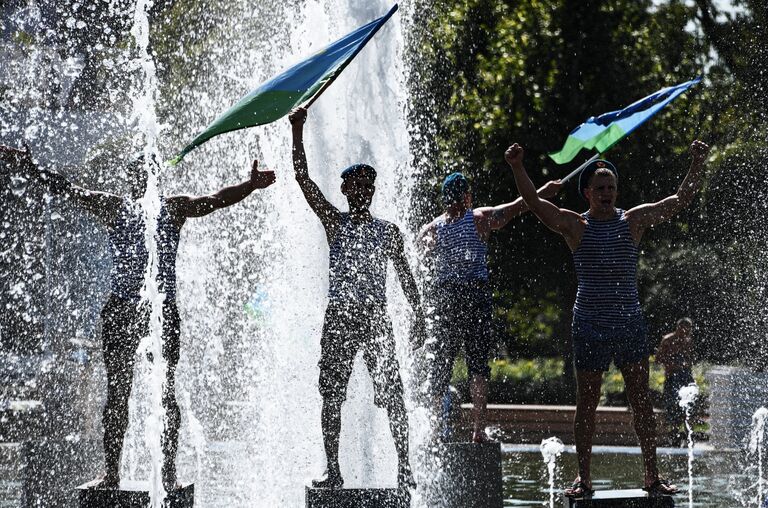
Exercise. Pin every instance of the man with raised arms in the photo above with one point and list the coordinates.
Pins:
(456, 243)
(608, 323)
(356, 316)
(125, 316)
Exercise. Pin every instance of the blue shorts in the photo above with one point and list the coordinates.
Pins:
(595, 346)
(463, 319)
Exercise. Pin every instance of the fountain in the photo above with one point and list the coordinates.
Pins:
(250, 430)
(551, 448)
(687, 395)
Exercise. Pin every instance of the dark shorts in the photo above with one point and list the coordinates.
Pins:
(124, 323)
(462, 319)
(347, 330)
(595, 346)
(672, 384)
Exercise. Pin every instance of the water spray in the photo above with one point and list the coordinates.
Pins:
(551, 449)
(688, 395)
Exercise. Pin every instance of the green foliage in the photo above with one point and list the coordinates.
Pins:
(529, 321)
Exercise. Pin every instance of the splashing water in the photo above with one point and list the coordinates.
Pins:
(687, 395)
(756, 440)
(146, 118)
(551, 448)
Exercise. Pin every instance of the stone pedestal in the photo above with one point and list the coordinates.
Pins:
(132, 494)
(472, 476)
(357, 498)
(51, 467)
(634, 498)
(736, 393)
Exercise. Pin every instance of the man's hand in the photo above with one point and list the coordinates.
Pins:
(514, 156)
(550, 189)
(261, 179)
(297, 117)
(418, 333)
(699, 151)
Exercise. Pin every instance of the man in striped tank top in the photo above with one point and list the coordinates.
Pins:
(356, 316)
(455, 243)
(125, 315)
(608, 323)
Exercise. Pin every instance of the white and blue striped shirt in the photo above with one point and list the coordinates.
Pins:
(461, 255)
(606, 268)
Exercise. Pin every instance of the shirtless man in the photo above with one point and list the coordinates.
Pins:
(608, 323)
(125, 315)
(356, 316)
(456, 243)
(676, 355)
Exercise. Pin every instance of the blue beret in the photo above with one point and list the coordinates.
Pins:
(455, 186)
(592, 167)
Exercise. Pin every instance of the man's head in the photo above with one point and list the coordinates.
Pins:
(456, 190)
(598, 185)
(684, 326)
(357, 184)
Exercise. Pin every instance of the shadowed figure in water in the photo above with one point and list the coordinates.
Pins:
(676, 355)
(608, 322)
(456, 244)
(125, 316)
(356, 317)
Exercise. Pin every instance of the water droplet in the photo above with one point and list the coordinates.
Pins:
(18, 185)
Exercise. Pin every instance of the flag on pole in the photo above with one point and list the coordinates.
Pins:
(294, 86)
(606, 130)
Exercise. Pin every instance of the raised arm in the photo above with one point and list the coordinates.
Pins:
(326, 212)
(408, 284)
(560, 220)
(190, 206)
(649, 214)
(489, 218)
(101, 204)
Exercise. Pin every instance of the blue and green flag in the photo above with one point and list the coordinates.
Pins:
(604, 131)
(293, 87)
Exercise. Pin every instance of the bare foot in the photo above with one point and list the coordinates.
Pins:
(580, 488)
(661, 487)
(480, 436)
(106, 481)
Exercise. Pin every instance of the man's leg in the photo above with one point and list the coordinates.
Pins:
(170, 440)
(587, 398)
(119, 348)
(636, 382)
(330, 421)
(338, 347)
(379, 356)
(474, 321)
(479, 391)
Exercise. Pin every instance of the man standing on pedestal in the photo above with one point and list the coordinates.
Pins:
(125, 316)
(356, 316)
(457, 243)
(608, 323)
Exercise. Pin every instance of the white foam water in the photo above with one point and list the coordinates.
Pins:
(551, 449)
(687, 396)
(756, 445)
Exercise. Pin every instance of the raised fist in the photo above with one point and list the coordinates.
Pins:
(699, 150)
(298, 116)
(514, 155)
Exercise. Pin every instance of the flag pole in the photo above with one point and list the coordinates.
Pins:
(577, 170)
(323, 88)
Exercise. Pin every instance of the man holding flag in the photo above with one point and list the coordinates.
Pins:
(356, 316)
(608, 323)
